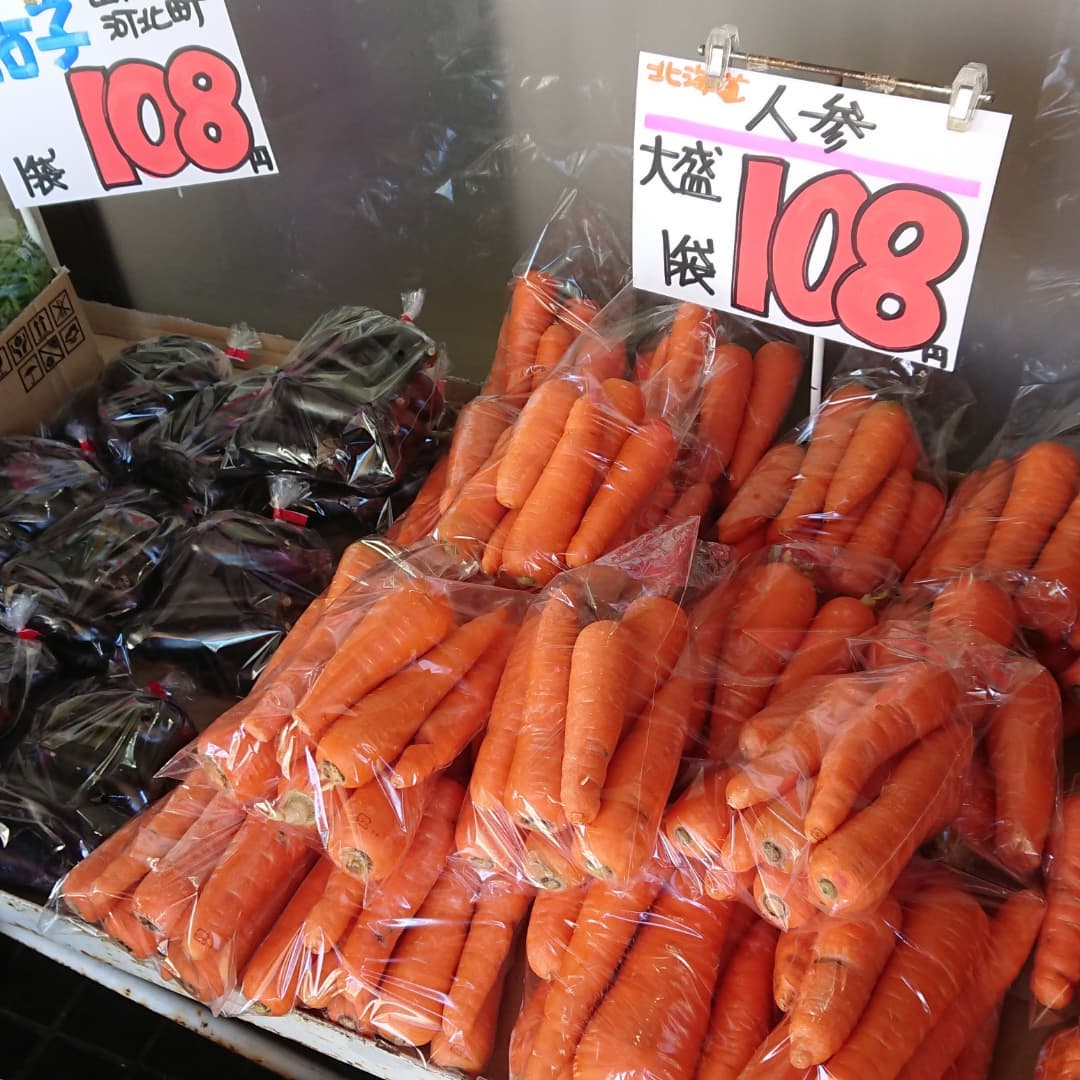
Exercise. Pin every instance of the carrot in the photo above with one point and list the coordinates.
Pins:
(774, 607)
(972, 610)
(1012, 933)
(777, 369)
(242, 898)
(1024, 745)
(500, 909)
(975, 818)
(123, 925)
(369, 829)
(621, 407)
(495, 383)
(874, 451)
(532, 311)
(579, 313)
(651, 515)
(931, 962)
(533, 439)
(692, 332)
(623, 836)
(532, 787)
(654, 1018)
(491, 559)
(770, 1060)
(778, 830)
(418, 519)
(551, 348)
(595, 711)
(699, 822)
(973, 1062)
(645, 458)
(1049, 601)
(846, 961)
(553, 511)
(376, 729)
(475, 515)
(916, 701)
(551, 926)
(468, 1051)
(778, 717)
(272, 975)
(368, 946)
(608, 921)
(547, 864)
(742, 1007)
(783, 899)
(525, 1028)
(825, 650)
(875, 536)
(334, 911)
(723, 405)
(923, 517)
(179, 966)
(165, 896)
(479, 426)
(794, 949)
(763, 495)
(832, 430)
(857, 865)
(452, 724)
(798, 750)
(153, 838)
(1044, 484)
(693, 502)
(708, 631)
(1057, 958)
(1059, 1058)
(656, 630)
(965, 535)
(411, 996)
(400, 626)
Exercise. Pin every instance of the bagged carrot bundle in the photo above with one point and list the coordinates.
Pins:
(862, 474)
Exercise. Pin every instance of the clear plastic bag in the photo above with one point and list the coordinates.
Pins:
(1060, 1055)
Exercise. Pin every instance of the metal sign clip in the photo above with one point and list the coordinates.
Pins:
(719, 45)
(967, 89)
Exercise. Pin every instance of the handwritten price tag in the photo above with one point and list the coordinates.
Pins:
(848, 214)
(99, 97)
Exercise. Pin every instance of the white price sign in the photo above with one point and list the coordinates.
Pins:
(843, 213)
(103, 97)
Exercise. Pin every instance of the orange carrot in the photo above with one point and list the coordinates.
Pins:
(524, 1034)
(550, 864)
(846, 960)
(468, 1051)
(932, 961)
(595, 709)
(369, 829)
(693, 502)
(656, 630)
(645, 458)
(533, 439)
(917, 700)
(692, 331)
(774, 607)
(418, 976)
(777, 828)
(623, 836)
(857, 865)
(763, 495)
(708, 631)
(553, 511)
(974, 1061)
(975, 818)
(1044, 484)
(532, 311)
(824, 650)
(777, 369)
(452, 724)
(723, 404)
(400, 626)
(491, 560)
(621, 408)
(476, 513)
(1057, 573)
(1059, 1058)
(1023, 741)
(554, 342)
(699, 822)
(832, 430)
(374, 732)
(974, 611)
(654, 1018)
(1057, 958)
(496, 753)
(420, 517)
(782, 899)
(551, 926)
(778, 717)
(874, 451)
(495, 383)
(479, 426)
(875, 536)
(923, 517)
(1012, 933)
(242, 899)
(742, 1007)
(533, 785)
(608, 921)
(273, 973)
(794, 948)
(963, 536)
(123, 925)
(333, 912)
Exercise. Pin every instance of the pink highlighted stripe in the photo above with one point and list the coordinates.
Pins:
(766, 144)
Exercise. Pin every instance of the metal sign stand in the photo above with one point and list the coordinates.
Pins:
(965, 94)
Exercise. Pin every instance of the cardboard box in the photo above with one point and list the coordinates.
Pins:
(47, 355)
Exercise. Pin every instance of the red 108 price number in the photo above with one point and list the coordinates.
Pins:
(874, 273)
(196, 116)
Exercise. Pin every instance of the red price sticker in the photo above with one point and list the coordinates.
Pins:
(794, 203)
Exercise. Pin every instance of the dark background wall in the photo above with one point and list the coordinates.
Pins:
(423, 142)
